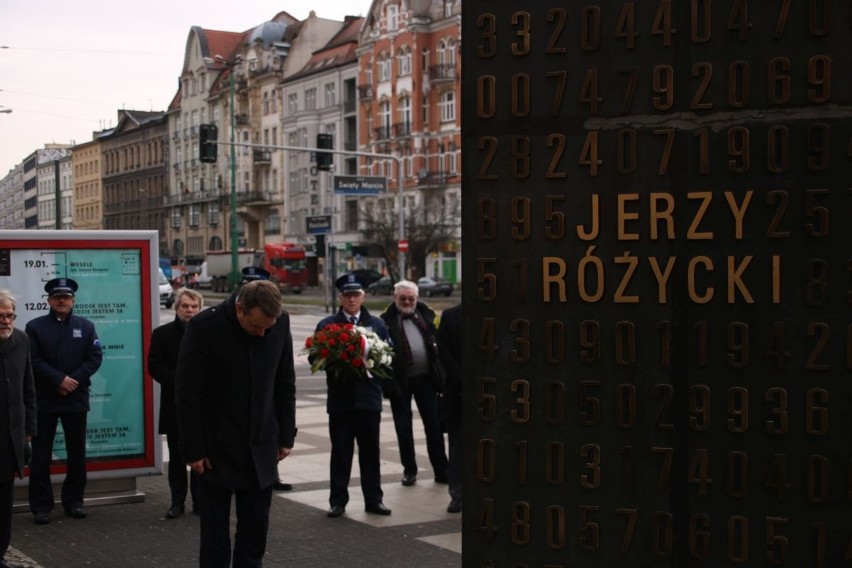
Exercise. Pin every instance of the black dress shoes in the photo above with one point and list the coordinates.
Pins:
(174, 512)
(281, 486)
(409, 479)
(455, 506)
(336, 511)
(42, 518)
(75, 512)
(377, 509)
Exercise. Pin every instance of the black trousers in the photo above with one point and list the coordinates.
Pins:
(423, 391)
(7, 495)
(252, 525)
(344, 428)
(177, 474)
(74, 486)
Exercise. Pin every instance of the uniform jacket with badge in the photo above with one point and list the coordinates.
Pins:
(162, 362)
(236, 397)
(398, 386)
(18, 417)
(59, 348)
(361, 393)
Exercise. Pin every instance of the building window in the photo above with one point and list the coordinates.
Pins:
(213, 214)
(330, 95)
(393, 17)
(447, 106)
(405, 115)
(310, 99)
(404, 60)
(384, 69)
(350, 222)
(293, 103)
(176, 217)
(273, 223)
(384, 119)
(194, 215)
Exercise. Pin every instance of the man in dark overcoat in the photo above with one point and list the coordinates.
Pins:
(450, 352)
(65, 352)
(162, 364)
(236, 403)
(17, 412)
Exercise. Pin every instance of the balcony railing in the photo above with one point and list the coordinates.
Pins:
(432, 178)
(402, 129)
(188, 197)
(382, 132)
(258, 197)
(443, 72)
(261, 157)
(365, 92)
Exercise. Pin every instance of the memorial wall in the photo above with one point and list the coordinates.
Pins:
(658, 283)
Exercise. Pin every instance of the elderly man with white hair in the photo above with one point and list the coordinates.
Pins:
(417, 373)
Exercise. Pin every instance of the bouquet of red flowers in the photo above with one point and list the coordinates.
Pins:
(347, 351)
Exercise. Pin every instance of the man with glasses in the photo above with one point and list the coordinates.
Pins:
(236, 406)
(417, 373)
(65, 352)
(17, 413)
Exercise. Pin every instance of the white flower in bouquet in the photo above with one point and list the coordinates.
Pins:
(378, 354)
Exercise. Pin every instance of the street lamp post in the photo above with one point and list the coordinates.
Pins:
(235, 269)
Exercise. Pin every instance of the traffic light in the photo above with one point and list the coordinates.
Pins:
(324, 159)
(208, 149)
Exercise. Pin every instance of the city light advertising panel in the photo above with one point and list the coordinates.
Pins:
(115, 271)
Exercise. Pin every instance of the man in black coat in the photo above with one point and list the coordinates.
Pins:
(17, 412)
(162, 364)
(417, 373)
(450, 351)
(236, 403)
(65, 352)
(354, 411)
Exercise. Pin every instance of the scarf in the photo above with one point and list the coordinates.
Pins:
(421, 325)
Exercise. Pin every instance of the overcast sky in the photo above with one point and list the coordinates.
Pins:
(66, 68)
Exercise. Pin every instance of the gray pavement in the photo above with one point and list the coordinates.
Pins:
(419, 532)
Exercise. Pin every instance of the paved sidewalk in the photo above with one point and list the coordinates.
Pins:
(419, 532)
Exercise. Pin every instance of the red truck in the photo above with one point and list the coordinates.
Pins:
(285, 263)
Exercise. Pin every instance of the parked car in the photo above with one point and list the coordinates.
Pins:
(434, 286)
(383, 285)
(367, 275)
(167, 293)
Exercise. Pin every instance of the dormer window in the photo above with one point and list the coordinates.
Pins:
(393, 17)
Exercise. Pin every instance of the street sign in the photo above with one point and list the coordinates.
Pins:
(403, 245)
(318, 224)
(359, 185)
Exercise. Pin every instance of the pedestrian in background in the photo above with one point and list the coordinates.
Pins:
(17, 413)
(236, 403)
(354, 411)
(417, 373)
(65, 353)
(162, 365)
(450, 352)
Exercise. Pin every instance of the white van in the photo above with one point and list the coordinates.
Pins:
(167, 293)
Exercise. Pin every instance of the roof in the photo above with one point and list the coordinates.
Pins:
(340, 50)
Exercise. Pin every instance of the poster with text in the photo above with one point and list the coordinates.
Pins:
(114, 274)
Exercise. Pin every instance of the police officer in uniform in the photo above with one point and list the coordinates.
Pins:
(354, 411)
(65, 352)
